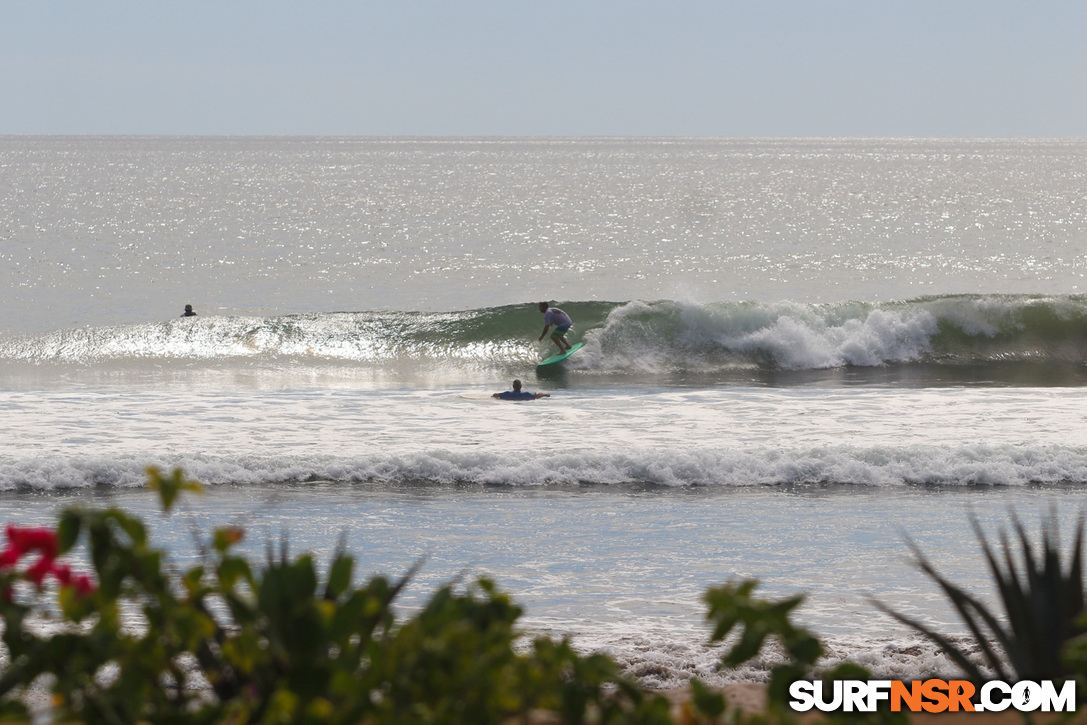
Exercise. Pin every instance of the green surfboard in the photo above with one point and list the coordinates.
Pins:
(559, 358)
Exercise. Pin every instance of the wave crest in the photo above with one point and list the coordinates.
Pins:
(875, 466)
(635, 336)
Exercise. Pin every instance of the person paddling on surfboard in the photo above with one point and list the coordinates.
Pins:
(561, 321)
(518, 394)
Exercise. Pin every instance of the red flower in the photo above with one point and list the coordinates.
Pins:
(63, 573)
(9, 557)
(83, 585)
(36, 572)
(25, 540)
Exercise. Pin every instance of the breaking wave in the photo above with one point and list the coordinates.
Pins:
(634, 337)
(972, 465)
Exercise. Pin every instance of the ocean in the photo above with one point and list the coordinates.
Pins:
(800, 354)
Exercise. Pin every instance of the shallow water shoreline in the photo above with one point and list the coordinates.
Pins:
(622, 569)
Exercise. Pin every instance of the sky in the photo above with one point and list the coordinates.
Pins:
(766, 68)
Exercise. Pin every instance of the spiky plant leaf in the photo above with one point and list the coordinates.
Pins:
(1042, 597)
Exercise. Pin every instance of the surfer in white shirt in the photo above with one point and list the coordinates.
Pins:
(561, 321)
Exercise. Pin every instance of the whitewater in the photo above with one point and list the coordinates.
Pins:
(798, 354)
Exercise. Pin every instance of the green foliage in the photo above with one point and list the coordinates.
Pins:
(170, 487)
(227, 641)
(734, 606)
(1042, 633)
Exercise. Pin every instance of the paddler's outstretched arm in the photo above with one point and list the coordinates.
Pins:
(544, 333)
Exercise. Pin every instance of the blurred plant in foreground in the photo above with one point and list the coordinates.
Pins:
(227, 641)
(1039, 635)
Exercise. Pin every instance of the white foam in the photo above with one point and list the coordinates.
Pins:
(670, 659)
(876, 466)
(710, 437)
(660, 336)
(878, 338)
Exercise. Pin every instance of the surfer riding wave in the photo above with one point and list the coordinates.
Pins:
(561, 321)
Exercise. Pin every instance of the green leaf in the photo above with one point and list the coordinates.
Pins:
(706, 702)
(71, 521)
(1043, 606)
(339, 575)
(232, 570)
(226, 537)
(170, 487)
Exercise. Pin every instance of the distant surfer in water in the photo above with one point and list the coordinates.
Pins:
(561, 321)
(188, 312)
(518, 394)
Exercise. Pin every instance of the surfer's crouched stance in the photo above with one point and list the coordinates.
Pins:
(518, 394)
(561, 321)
